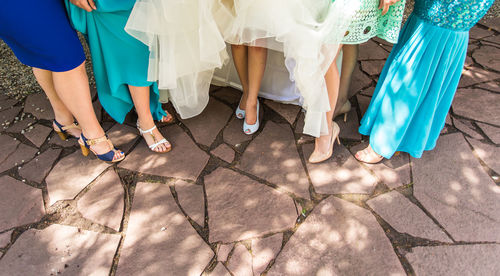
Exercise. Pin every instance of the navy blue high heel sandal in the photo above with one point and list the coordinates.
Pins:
(85, 145)
(62, 131)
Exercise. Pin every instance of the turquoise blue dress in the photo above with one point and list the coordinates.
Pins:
(419, 80)
(118, 59)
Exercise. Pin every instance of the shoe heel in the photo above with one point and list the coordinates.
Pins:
(338, 140)
(62, 135)
(345, 117)
(85, 150)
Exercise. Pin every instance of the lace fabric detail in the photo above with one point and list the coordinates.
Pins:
(460, 15)
(369, 22)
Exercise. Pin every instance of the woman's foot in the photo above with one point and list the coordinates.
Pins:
(101, 147)
(166, 119)
(251, 123)
(323, 147)
(240, 110)
(66, 131)
(368, 155)
(156, 142)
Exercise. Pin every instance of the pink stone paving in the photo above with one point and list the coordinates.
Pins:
(226, 203)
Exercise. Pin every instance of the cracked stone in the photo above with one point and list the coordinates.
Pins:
(123, 136)
(371, 50)
(241, 261)
(7, 103)
(373, 67)
(55, 140)
(233, 134)
(488, 57)
(192, 200)
(223, 253)
(288, 111)
(492, 23)
(38, 104)
(277, 143)
(156, 224)
(104, 202)
(394, 172)
(363, 102)
(241, 208)
(206, 126)
(492, 132)
(359, 82)
(488, 153)
(20, 204)
(338, 238)
(37, 169)
(455, 192)
(71, 174)
(494, 39)
(21, 154)
(5, 239)
(479, 33)
(220, 270)
(467, 128)
(493, 86)
(185, 161)
(264, 250)
(339, 174)
(21, 125)
(475, 259)
(224, 152)
(228, 94)
(60, 249)
(477, 104)
(8, 115)
(475, 75)
(406, 217)
(38, 134)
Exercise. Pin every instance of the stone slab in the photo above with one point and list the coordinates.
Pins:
(371, 50)
(288, 111)
(19, 156)
(338, 238)
(477, 104)
(8, 115)
(487, 153)
(459, 194)
(224, 250)
(71, 174)
(7, 146)
(359, 82)
(21, 125)
(38, 105)
(394, 172)
(185, 161)
(478, 33)
(220, 270)
(349, 128)
(224, 152)
(406, 217)
(55, 140)
(277, 143)
(123, 136)
(206, 126)
(104, 202)
(233, 134)
(159, 240)
(492, 86)
(20, 204)
(5, 239)
(475, 75)
(373, 67)
(488, 57)
(228, 94)
(192, 200)
(466, 127)
(240, 208)
(38, 134)
(37, 169)
(492, 23)
(475, 259)
(492, 132)
(339, 174)
(240, 262)
(60, 249)
(264, 251)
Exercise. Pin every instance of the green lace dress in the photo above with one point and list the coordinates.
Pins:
(369, 22)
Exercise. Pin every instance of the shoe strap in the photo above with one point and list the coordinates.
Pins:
(150, 131)
(72, 126)
(92, 142)
(162, 141)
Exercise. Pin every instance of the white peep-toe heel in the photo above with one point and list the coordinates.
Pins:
(251, 129)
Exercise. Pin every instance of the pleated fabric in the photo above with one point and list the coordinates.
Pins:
(118, 59)
(415, 89)
(308, 32)
(185, 48)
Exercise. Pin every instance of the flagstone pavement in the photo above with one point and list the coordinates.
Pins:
(223, 203)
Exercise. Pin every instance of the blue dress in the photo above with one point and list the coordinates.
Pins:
(39, 34)
(118, 59)
(419, 80)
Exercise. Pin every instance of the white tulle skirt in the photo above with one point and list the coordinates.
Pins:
(185, 46)
(308, 32)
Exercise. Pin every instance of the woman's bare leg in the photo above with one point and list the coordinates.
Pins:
(72, 87)
(140, 96)
(257, 58)
(240, 57)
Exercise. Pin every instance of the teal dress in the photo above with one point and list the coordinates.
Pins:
(118, 59)
(419, 80)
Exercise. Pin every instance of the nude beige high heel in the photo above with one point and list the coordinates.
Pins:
(345, 109)
(317, 157)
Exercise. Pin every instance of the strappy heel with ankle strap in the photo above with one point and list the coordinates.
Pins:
(109, 156)
(62, 131)
(156, 143)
